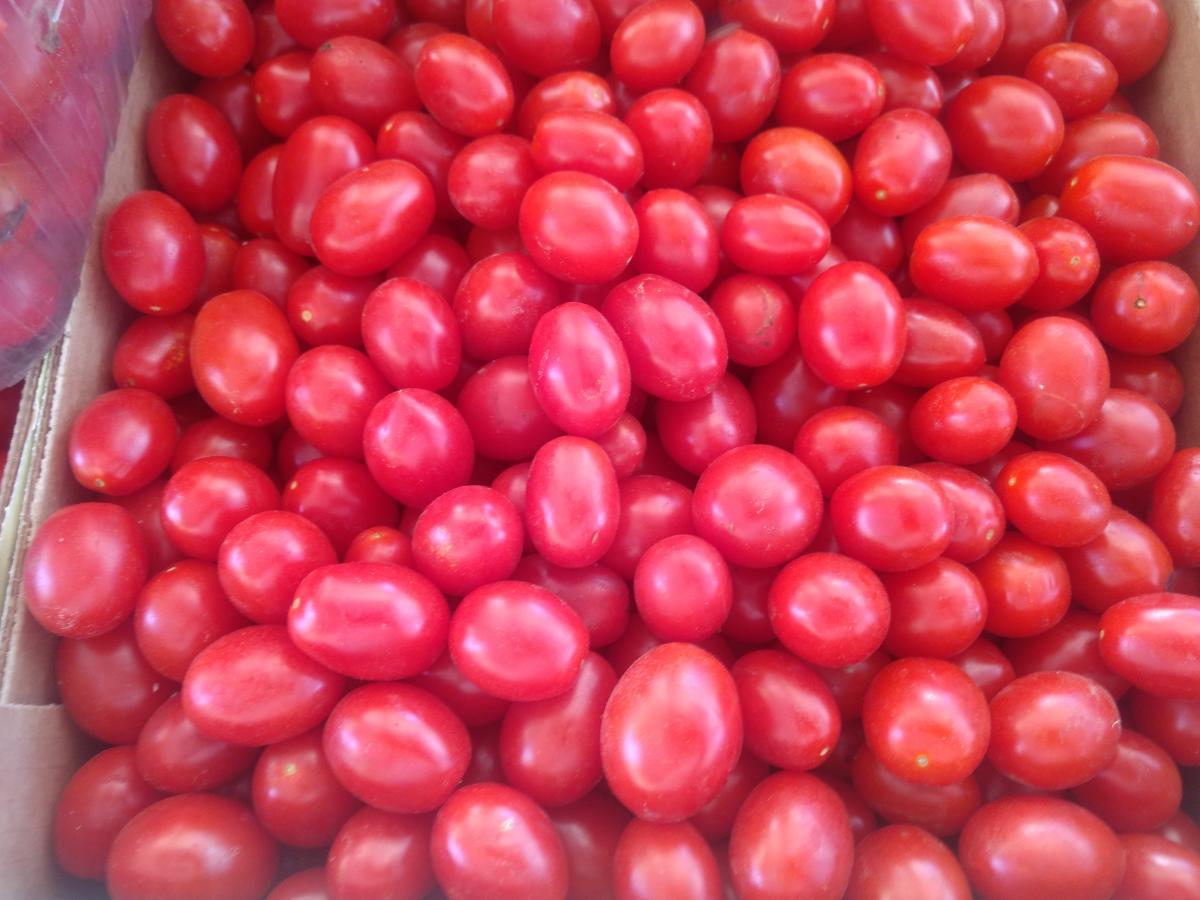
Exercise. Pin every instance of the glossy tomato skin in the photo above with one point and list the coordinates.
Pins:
(295, 794)
(657, 47)
(1058, 392)
(737, 79)
(571, 502)
(1126, 560)
(800, 164)
(656, 859)
(907, 861)
(758, 505)
(466, 538)
(206, 498)
(1021, 846)
(1174, 487)
(773, 234)
(1145, 308)
(671, 732)
(676, 239)
(1031, 715)
(490, 324)
(973, 263)
(501, 410)
(941, 810)
(982, 194)
(411, 335)
(192, 843)
(678, 566)
(152, 354)
(963, 420)
(550, 749)
(367, 219)
(695, 432)
(292, 693)
(578, 227)
(926, 35)
(938, 610)
(893, 518)
(792, 832)
(977, 512)
(175, 758)
(193, 152)
(1071, 645)
(828, 609)
(1132, 35)
(153, 254)
(1005, 125)
(1156, 866)
(316, 155)
(312, 24)
(579, 369)
(834, 94)
(1140, 790)
(652, 507)
(417, 446)
(371, 621)
(1151, 640)
(396, 747)
(926, 721)
(676, 135)
(447, 66)
(852, 352)
(241, 351)
(340, 497)
(1027, 586)
(100, 798)
(517, 641)
(491, 840)
(1110, 197)
(1053, 500)
(381, 854)
(212, 39)
(901, 162)
(84, 568)
(358, 78)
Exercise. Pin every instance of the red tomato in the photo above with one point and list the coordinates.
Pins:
(941, 810)
(736, 77)
(676, 135)
(1131, 34)
(193, 152)
(834, 94)
(901, 163)
(488, 178)
(381, 854)
(411, 335)
(937, 610)
(1139, 790)
(314, 23)
(417, 446)
(463, 85)
(173, 756)
(193, 843)
(657, 44)
(800, 164)
(1027, 587)
(789, 716)
(152, 354)
(212, 38)
(340, 497)
(655, 859)
(1053, 500)
(905, 861)
(571, 502)
(678, 567)
(1009, 126)
(358, 78)
(153, 254)
(671, 732)
(1152, 641)
(973, 263)
(771, 234)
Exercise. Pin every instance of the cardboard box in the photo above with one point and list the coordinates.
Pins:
(39, 748)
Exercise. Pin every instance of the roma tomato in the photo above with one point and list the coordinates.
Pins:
(362, 80)
(378, 853)
(835, 95)
(1006, 125)
(657, 44)
(207, 497)
(671, 732)
(772, 234)
(930, 35)
(194, 152)
(330, 391)
(463, 85)
(295, 794)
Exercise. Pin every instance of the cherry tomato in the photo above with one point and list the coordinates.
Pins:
(1151, 641)
(411, 335)
(1053, 500)
(578, 227)
(1133, 35)
(977, 512)
(463, 85)
(907, 84)
(736, 77)
(834, 94)
(1139, 790)
(152, 354)
(1111, 197)
(97, 802)
(1080, 78)
(207, 497)
(417, 446)
(800, 164)
(358, 78)
(380, 854)
(191, 844)
(1022, 846)
(1057, 373)
(792, 834)
(253, 687)
(677, 567)
(339, 497)
(923, 34)
(841, 441)
(905, 861)
(655, 859)
(671, 732)
(492, 840)
(982, 194)
(174, 757)
(283, 97)
(986, 665)
(938, 610)
(789, 716)
(771, 234)
(1027, 587)
(657, 44)
(1006, 125)
(571, 505)
(153, 254)
(193, 152)
(676, 136)
(676, 239)
(901, 163)
(1072, 645)
(312, 24)
(488, 178)
(212, 38)
(651, 508)
(941, 810)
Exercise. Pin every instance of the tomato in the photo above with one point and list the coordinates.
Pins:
(926, 721)
(736, 77)
(941, 344)
(571, 505)
(307, 884)
(488, 178)
(834, 94)
(650, 508)
(840, 441)
(587, 141)
(928, 35)
(565, 90)
(1151, 640)
(657, 44)
(673, 340)
(312, 24)
(579, 369)
(941, 810)
(517, 641)
(792, 834)
(758, 505)
(1053, 500)
(1071, 645)
(789, 716)
(1169, 514)
(829, 610)
(977, 512)
(84, 568)
(153, 254)
(283, 98)
(381, 545)
(174, 757)
(679, 566)
(905, 861)
(378, 854)
(1139, 790)
(372, 621)
(964, 420)
(986, 665)
(1110, 197)
(463, 85)
(233, 97)
(908, 85)
(152, 354)
(1099, 134)
(1027, 587)
(973, 263)
(1068, 263)
(417, 446)
(695, 432)
(367, 219)
(253, 687)
(330, 392)
(265, 265)
(211, 38)
(340, 497)
(1126, 560)
(502, 411)
(676, 239)
(490, 325)
(1080, 78)
(99, 799)
(193, 152)
(655, 859)
(207, 497)
(671, 732)
(800, 164)
(396, 747)
(1029, 26)
(578, 227)
(418, 138)
(715, 818)
(892, 518)
(625, 443)
(982, 194)
(411, 335)
(901, 163)
(676, 136)
(1057, 373)
(1133, 35)
(844, 351)
(1144, 308)
(216, 436)
(550, 749)
(255, 208)
(938, 610)
(491, 840)
(771, 234)
(1023, 846)
(361, 80)
(1006, 125)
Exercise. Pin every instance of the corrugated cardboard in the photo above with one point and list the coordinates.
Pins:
(38, 747)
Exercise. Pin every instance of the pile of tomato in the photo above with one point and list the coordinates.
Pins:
(668, 449)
